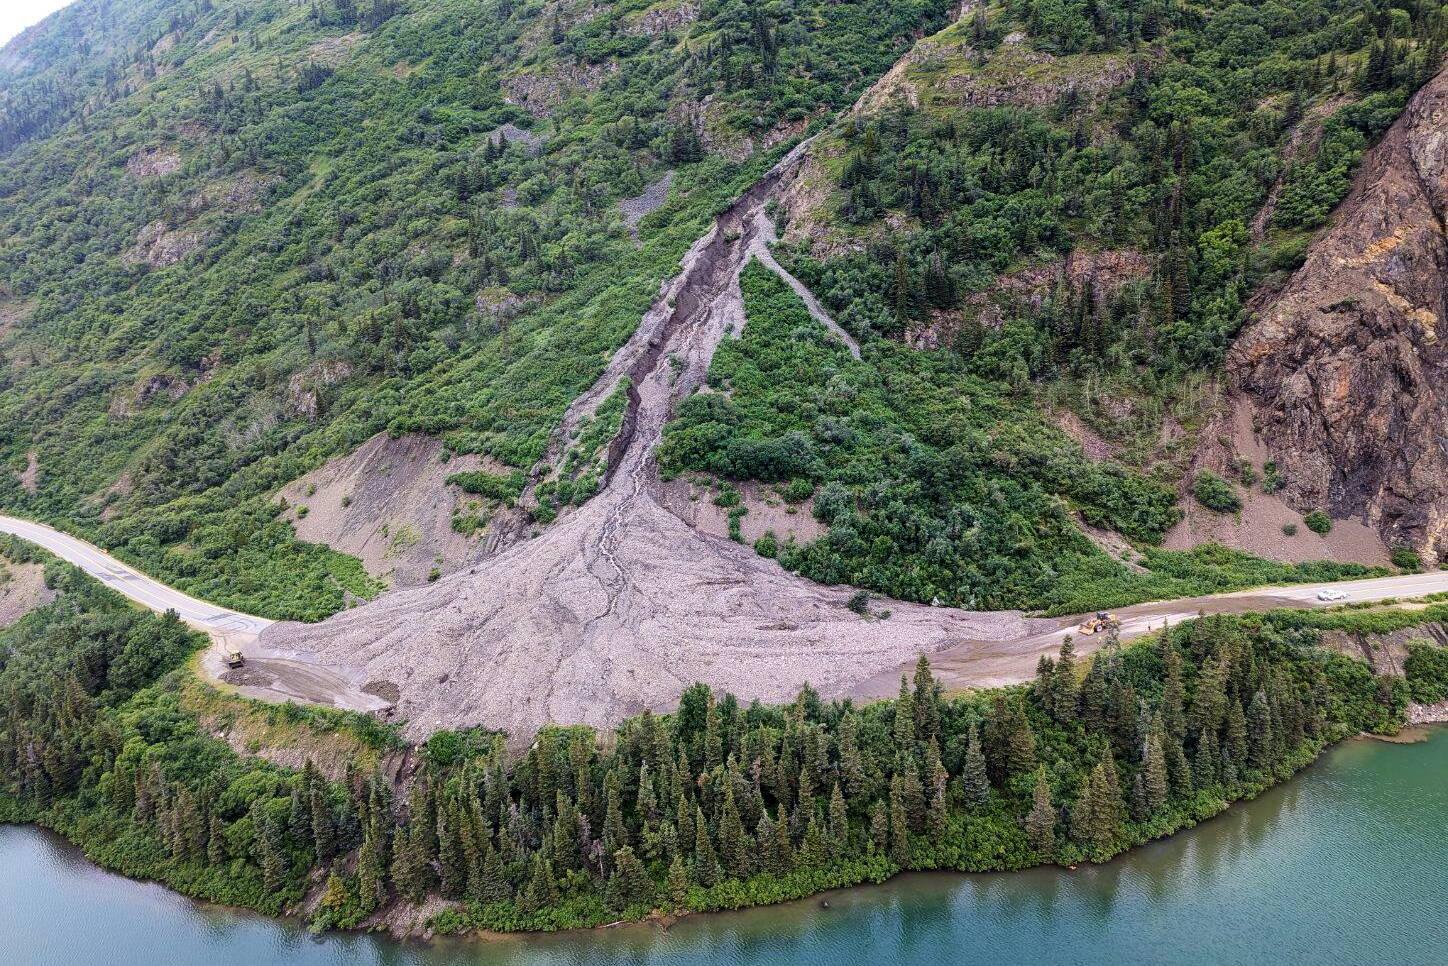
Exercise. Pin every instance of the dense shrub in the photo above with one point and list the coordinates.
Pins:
(1215, 493)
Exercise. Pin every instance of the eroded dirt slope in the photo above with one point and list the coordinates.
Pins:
(1347, 369)
(388, 503)
(621, 605)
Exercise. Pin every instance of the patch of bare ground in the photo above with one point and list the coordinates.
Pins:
(691, 499)
(160, 245)
(1385, 653)
(1258, 527)
(621, 605)
(22, 589)
(13, 312)
(639, 207)
(1095, 276)
(1091, 442)
(30, 476)
(331, 51)
(1113, 544)
(388, 503)
(154, 162)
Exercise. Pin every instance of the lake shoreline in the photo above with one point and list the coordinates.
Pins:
(1251, 862)
(406, 922)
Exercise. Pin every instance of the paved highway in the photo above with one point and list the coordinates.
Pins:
(270, 677)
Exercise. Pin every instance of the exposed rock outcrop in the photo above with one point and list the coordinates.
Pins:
(159, 245)
(1347, 368)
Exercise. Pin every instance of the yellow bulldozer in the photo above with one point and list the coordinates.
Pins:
(1099, 623)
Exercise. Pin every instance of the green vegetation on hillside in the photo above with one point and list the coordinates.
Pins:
(936, 485)
(716, 806)
(277, 229)
(1156, 131)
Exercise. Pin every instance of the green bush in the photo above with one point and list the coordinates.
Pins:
(1426, 671)
(1318, 522)
(1215, 493)
(1406, 558)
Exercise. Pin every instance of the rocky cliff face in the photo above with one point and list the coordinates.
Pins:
(1347, 368)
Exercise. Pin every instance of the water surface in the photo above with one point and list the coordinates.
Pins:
(1348, 864)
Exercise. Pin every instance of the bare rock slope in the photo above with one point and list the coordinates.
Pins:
(621, 605)
(1347, 368)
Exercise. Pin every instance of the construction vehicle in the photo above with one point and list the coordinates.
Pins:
(1099, 624)
(234, 659)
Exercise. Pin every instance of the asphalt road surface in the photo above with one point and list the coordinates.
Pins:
(270, 677)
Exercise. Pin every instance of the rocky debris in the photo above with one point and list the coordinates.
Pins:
(945, 71)
(159, 245)
(13, 312)
(540, 94)
(305, 386)
(158, 385)
(1091, 442)
(154, 163)
(29, 477)
(639, 207)
(510, 133)
(1229, 437)
(692, 500)
(22, 589)
(808, 219)
(1425, 714)
(499, 305)
(1347, 368)
(709, 117)
(389, 504)
(663, 20)
(1306, 134)
(331, 51)
(760, 250)
(621, 605)
(1384, 653)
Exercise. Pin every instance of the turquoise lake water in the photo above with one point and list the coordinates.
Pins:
(1348, 864)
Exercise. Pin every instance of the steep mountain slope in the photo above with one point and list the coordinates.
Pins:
(1347, 368)
(271, 231)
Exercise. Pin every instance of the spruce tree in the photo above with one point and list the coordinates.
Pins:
(839, 823)
(629, 883)
(899, 830)
(1041, 819)
(678, 883)
(975, 779)
(706, 862)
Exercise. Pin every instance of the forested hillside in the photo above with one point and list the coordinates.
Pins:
(254, 233)
(240, 237)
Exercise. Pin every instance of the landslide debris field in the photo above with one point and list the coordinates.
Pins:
(621, 605)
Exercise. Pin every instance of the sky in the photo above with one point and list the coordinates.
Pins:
(16, 15)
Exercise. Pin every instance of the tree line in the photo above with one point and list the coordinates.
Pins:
(718, 805)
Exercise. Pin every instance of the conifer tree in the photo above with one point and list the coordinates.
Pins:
(629, 883)
(678, 883)
(975, 779)
(839, 823)
(706, 862)
(1041, 819)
